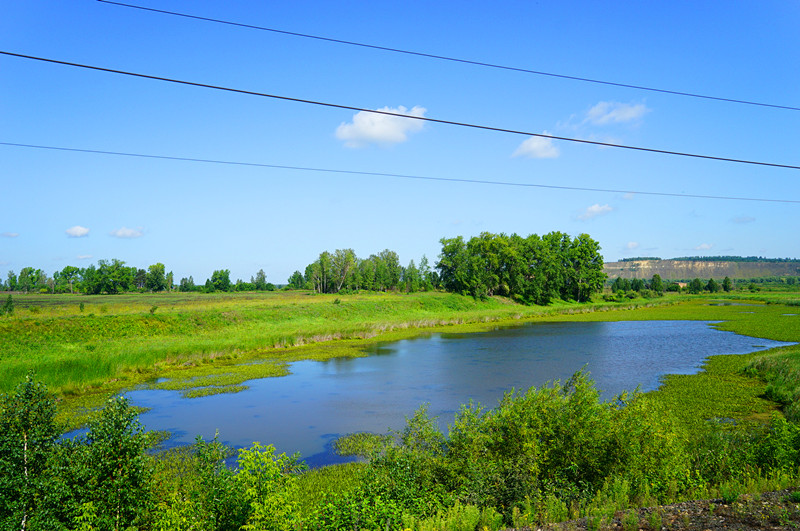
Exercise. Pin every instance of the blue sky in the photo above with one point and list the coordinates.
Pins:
(68, 208)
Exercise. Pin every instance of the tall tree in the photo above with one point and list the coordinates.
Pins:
(156, 279)
(260, 281)
(28, 433)
(656, 284)
(221, 280)
(343, 261)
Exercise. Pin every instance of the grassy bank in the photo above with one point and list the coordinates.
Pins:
(84, 347)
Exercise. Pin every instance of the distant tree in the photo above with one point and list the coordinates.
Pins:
(156, 279)
(30, 279)
(140, 279)
(426, 282)
(712, 286)
(621, 284)
(221, 280)
(343, 262)
(296, 281)
(187, 284)
(791, 280)
(170, 281)
(411, 278)
(656, 284)
(260, 281)
(244, 286)
(696, 286)
(727, 284)
(637, 284)
(11, 284)
(68, 276)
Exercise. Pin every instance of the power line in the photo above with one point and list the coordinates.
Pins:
(454, 59)
(398, 115)
(392, 175)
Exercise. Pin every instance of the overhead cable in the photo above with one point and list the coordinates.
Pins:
(392, 175)
(399, 115)
(452, 59)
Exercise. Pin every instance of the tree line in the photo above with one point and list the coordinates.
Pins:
(343, 271)
(532, 270)
(113, 276)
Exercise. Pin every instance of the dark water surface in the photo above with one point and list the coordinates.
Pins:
(319, 401)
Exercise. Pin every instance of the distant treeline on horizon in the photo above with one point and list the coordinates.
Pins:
(713, 259)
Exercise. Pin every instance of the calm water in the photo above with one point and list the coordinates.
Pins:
(320, 401)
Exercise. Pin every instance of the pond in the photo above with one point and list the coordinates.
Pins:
(320, 401)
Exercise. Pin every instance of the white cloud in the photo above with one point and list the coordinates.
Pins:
(125, 232)
(371, 128)
(594, 211)
(537, 147)
(77, 232)
(744, 219)
(704, 247)
(9, 234)
(612, 112)
(629, 196)
(84, 256)
(630, 246)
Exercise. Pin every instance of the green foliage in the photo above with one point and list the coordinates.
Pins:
(532, 269)
(8, 306)
(270, 487)
(197, 490)
(109, 467)
(28, 434)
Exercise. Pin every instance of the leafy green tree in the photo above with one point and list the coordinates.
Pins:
(11, 283)
(221, 280)
(656, 284)
(270, 487)
(110, 467)
(259, 282)
(727, 284)
(426, 281)
(140, 279)
(156, 279)
(28, 433)
(296, 281)
(585, 271)
(68, 276)
(366, 273)
(696, 286)
(30, 279)
(187, 284)
(712, 286)
(411, 278)
(342, 264)
(637, 284)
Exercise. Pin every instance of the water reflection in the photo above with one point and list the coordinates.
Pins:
(309, 408)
